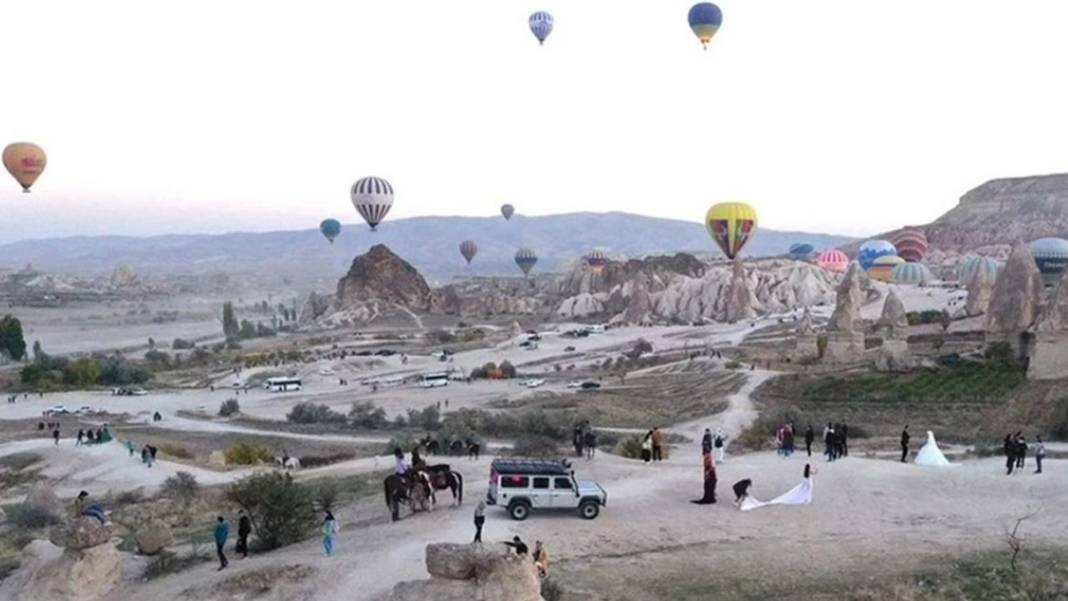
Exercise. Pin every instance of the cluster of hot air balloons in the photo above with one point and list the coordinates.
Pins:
(704, 18)
(25, 162)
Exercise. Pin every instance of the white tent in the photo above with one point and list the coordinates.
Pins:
(930, 455)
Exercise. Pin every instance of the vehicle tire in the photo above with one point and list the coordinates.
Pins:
(589, 509)
(519, 511)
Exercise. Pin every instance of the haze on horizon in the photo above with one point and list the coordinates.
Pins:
(835, 116)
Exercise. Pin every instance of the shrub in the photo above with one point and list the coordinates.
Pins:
(366, 415)
(158, 359)
(27, 517)
(630, 447)
(439, 337)
(536, 446)
(733, 365)
(182, 485)
(280, 509)
(176, 451)
(181, 344)
(312, 413)
(429, 418)
(308, 461)
(326, 495)
(229, 407)
(248, 454)
(507, 370)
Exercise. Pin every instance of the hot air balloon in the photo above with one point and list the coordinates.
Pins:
(705, 19)
(468, 249)
(833, 260)
(873, 249)
(911, 245)
(25, 162)
(525, 259)
(731, 225)
(372, 197)
(882, 267)
(974, 264)
(1051, 256)
(597, 259)
(507, 211)
(541, 25)
(800, 250)
(911, 274)
(330, 228)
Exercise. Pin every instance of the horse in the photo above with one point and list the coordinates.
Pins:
(441, 477)
(287, 463)
(432, 446)
(400, 490)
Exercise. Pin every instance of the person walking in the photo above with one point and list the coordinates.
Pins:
(810, 436)
(130, 447)
(1009, 448)
(55, 435)
(480, 520)
(222, 532)
(589, 441)
(658, 444)
(1040, 453)
(81, 437)
(720, 443)
(330, 529)
(244, 529)
(905, 443)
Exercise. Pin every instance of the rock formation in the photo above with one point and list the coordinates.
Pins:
(314, 307)
(1049, 360)
(894, 355)
(1015, 301)
(845, 330)
(380, 275)
(893, 321)
(153, 537)
(741, 300)
(472, 573)
(79, 564)
(42, 500)
(979, 291)
(806, 336)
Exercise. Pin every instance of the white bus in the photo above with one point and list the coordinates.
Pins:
(435, 379)
(282, 384)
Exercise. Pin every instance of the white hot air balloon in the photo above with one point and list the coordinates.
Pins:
(372, 197)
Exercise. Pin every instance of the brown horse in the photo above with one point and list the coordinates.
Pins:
(402, 490)
(443, 477)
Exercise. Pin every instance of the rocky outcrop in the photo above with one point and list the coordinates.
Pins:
(314, 307)
(1015, 302)
(123, 277)
(42, 500)
(979, 291)
(80, 533)
(894, 354)
(472, 573)
(845, 330)
(153, 537)
(806, 336)
(1049, 360)
(481, 297)
(741, 300)
(893, 322)
(69, 575)
(380, 275)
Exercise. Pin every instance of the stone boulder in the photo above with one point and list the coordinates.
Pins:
(1016, 300)
(43, 500)
(383, 276)
(70, 575)
(153, 537)
(472, 573)
(217, 459)
(1049, 360)
(980, 289)
(81, 533)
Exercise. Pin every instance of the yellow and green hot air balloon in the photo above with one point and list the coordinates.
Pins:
(731, 225)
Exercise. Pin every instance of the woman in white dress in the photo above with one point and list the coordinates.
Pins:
(798, 495)
(930, 455)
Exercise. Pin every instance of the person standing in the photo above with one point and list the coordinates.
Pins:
(658, 444)
(709, 469)
(480, 520)
(905, 443)
(706, 442)
(845, 440)
(720, 442)
(541, 559)
(222, 532)
(810, 436)
(788, 440)
(1009, 448)
(589, 441)
(1040, 453)
(55, 434)
(1021, 450)
(244, 528)
(330, 529)
(81, 437)
(647, 447)
(576, 439)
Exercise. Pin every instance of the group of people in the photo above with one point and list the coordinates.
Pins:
(540, 555)
(653, 445)
(1015, 448)
(584, 439)
(87, 436)
(784, 440)
(835, 441)
(717, 443)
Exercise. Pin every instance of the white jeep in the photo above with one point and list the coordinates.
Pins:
(523, 485)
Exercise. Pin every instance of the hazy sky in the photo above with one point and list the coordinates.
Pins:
(845, 116)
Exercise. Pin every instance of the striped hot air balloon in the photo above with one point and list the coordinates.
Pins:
(468, 249)
(525, 258)
(731, 225)
(372, 197)
(597, 259)
(911, 245)
(873, 249)
(541, 25)
(974, 264)
(705, 19)
(911, 274)
(882, 267)
(833, 260)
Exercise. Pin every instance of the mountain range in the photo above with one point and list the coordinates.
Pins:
(431, 244)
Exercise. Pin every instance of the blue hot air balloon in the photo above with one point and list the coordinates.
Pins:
(330, 228)
(873, 249)
(705, 19)
(541, 25)
(1051, 256)
(800, 250)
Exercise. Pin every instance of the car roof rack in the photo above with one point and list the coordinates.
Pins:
(536, 467)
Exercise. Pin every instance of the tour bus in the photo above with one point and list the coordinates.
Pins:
(282, 384)
(435, 379)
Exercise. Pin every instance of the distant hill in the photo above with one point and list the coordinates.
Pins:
(428, 243)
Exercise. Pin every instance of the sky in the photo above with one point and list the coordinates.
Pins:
(839, 116)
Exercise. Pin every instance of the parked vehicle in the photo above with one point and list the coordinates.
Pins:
(524, 485)
(589, 385)
(283, 384)
(57, 410)
(434, 379)
(534, 383)
(569, 349)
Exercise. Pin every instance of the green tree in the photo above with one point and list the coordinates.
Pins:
(230, 325)
(12, 343)
(81, 372)
(282, 511)
(247, 330)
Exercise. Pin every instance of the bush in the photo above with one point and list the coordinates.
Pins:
(26, 517)
(630, 447)
(428, 418)
(280, 509)
(181, 344)
(326, 495)
(182, 485)
(176, 451)
(309, 461)
(439, 337)
(158, 359)
(229, 407)
(312, 413)
(536, 446)
(248, 454)
(507, 370)
(81, 373)
(733, 365)
(366, 415)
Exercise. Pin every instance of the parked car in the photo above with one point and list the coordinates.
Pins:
(574, 384)
(385, 352)
(534, 383)
(569, 349)
(524, 485)
(84, 410)
(57, 410)
(589, 385)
